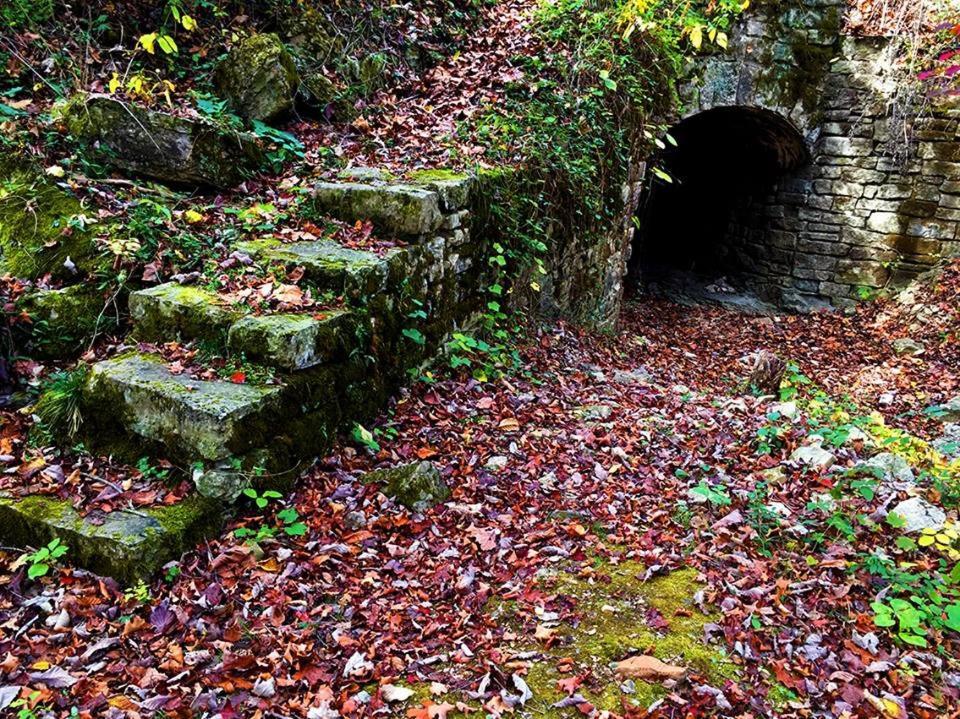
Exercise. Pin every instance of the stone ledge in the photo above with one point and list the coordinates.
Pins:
(197, 420)
(171, 311)
(402, 210)
(294, 341)
(125, 544)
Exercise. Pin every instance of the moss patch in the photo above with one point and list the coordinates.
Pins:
(612, 606)
(42, 228)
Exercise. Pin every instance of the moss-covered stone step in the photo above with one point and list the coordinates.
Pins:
(125, 544)
(295, 341)
(332, 266)
(400, 210)
(196, 420)
(172, 311)
(414, 208)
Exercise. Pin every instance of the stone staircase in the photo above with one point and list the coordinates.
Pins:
(330, 368)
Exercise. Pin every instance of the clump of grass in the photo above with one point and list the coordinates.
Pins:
(59, 407)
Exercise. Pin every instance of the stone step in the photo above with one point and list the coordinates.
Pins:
(125, 544)
(395, 209)
(335, 268)
(171, 311)
(294, 342)
(196, 420)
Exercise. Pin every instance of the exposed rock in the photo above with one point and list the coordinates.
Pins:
(765, 372)
(127, 545)
(949, 411)
(258, 78)
(190, 151)
(907, 346)
(813, 456)
(648, 668)
(948, 444)
(417, 486)
(293, 341)
(919, 514)
(888, 467)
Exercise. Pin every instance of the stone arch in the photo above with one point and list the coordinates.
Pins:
(713, 220)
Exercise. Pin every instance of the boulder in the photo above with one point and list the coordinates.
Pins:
(919, 514)
(179, 150)
(258, 78)
(417, 486)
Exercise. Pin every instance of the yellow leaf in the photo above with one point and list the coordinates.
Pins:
(192, 217)
(696, 36)
(167, 44)
(925, 540)
(712, 34)
(188, 23)
(114, 83)
(722, 40)
(147, 41)
(42, 665)
(744, 5)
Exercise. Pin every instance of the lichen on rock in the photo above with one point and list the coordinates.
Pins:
(416, 486)
(258, 77)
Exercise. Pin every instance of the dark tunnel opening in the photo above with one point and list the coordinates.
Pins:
(708, 229)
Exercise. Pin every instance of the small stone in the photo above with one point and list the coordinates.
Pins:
(786, 409)
(495, 463)
(824, 501)
(589, 412)
(417, 486)
(813, 456)
(648, 668)
(779, 508)
(773, 476)
(888, 467)
(919, 514)
(906, 346)
(638, 375)
(392, 693)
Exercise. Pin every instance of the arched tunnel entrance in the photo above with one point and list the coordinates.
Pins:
(711, 230)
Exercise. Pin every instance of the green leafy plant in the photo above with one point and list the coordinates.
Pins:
(139, 593)
(716, 495)
(261, 500)
(40, 562)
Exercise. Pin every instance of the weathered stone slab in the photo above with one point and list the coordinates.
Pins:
(258, 77)
(190, 151)
(197, 420)
(294, 341)
(403, 210)
(171, 311)
(127, 545)
(330, 265)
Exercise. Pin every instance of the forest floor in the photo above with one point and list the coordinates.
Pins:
(620, 495)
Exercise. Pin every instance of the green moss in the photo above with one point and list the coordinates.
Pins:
(416, 486)
(611, 607)
(427, 176)
(41, 226)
